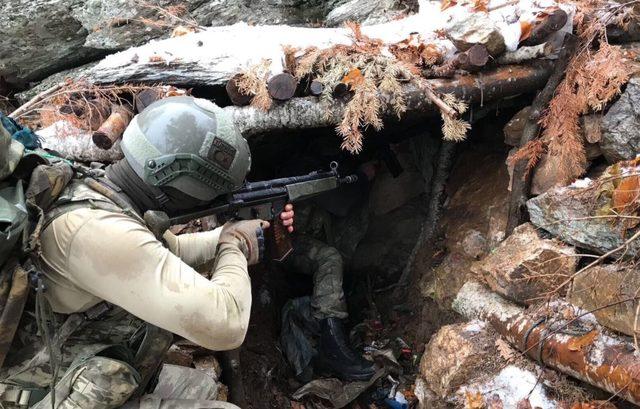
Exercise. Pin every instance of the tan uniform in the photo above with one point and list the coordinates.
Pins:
(90, 255)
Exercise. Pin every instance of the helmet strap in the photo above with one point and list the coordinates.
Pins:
(144, 196)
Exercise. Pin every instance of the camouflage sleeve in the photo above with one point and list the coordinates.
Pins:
(113, 257)
(195, 249)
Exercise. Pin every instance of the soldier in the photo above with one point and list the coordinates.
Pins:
(315, 254)
(98, 253)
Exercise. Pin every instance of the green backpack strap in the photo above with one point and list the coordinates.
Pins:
(11, 152)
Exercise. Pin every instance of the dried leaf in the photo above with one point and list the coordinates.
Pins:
(626, 194)
(447, 3)
(182, 31)
(481, 5)
(474, 401)
(157, 59)
(525, 30)
(577, 343)
(354, 78)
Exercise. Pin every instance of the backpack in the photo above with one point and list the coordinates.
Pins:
(30, 180)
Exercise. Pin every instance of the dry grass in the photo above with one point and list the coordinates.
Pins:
(253, 81)
(84, 105)
(454, 129)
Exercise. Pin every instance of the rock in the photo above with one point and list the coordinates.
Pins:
(513, 129)
(71, 74)
(40, 37)
(566, 212)
(620, 137)
(475, 244)
(591, 128)
(456, 354)
(427, 399)
(447, 278)
(389, 193)
(467, 29)
(389, 241)
(526, 266)
(605, 284)
(365, 11)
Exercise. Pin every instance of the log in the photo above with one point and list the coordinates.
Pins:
(316, 88)
(76, 144)
(147, 97)
(311, 112)
(474, 58)
(304, 113)
(113, 128)
(215, 55)
(282, 87)
(521, 178)
(577, 347)
(546, 28)
(235, 95)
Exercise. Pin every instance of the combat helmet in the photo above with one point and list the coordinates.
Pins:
(188, 144)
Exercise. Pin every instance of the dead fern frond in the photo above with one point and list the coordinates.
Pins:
(532, 152)
(253, 81)
(453, 128)
(362, 110)
(290, 62)
(592, 80)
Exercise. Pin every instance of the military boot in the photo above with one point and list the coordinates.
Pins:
(336, 356)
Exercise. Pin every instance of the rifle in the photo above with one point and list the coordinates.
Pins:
(260, 200)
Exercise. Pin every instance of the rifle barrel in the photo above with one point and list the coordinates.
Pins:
(281, 182)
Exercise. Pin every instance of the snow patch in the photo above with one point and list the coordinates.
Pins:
(513, 384)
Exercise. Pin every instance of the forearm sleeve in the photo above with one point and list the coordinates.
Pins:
(194, 248)
(119, 260)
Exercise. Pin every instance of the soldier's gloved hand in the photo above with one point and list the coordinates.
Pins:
(248, 235)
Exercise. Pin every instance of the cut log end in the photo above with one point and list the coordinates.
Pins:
(316, 88)
(233, 91)
(113, 128)
(282, 87)
(101, 140)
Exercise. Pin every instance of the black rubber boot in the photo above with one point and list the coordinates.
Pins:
(336, 357)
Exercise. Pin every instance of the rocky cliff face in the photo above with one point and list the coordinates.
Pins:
(41, 37)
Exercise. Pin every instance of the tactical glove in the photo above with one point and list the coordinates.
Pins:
(248, 235)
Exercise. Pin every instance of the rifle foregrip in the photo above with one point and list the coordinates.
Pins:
(279, 241)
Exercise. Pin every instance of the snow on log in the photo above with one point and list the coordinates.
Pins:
(310, 112)
(73, 143)
(213, 56)
(561, 336)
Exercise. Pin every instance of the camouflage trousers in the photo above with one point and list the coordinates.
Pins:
(98, 367)
(324, 263)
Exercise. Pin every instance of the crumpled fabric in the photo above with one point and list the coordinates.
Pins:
(335, 393)
(300, 330)
(20, 133)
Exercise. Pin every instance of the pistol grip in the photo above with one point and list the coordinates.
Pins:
(279, 244)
